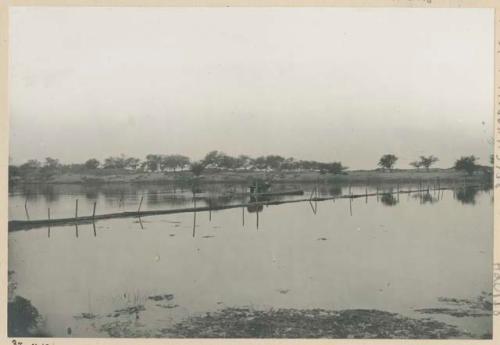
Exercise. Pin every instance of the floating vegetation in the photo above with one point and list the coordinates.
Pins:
(452, 312)
(167, 306)
(24, 320)
(87, 316)
(314, 323)
(125, 329)
(462, 307)
(166, 297)
(127, 311)
(283, 291)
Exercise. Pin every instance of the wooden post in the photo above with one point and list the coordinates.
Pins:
(76, 228)
(48, 213)
(194, 215)
(243, 215)
(377, 193)
(26, 209)
(366, 195)
(257, 217)
(76, 209)
(95, 232)
(350, 205)
(312, 194)
(93, 212)
(140, 204)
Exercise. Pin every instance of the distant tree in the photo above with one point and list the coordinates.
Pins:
(289, 164)
(213, 158)
(243, 161)
(92, 164)
(426, 162)
(32, 164)
(416, 164)
(387, 161)
(14, 171)
(132, 162)
(173, 162)
(260, 162)
(52, 163)
(467, 164)
(197, 168)
(115, 162)
(274, 162)
(182, 161)
(227, 162)
(153, 162)
(336, 168)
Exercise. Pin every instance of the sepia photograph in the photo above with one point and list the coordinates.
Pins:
(250, 172)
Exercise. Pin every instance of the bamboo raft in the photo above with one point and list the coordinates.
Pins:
(15, 225)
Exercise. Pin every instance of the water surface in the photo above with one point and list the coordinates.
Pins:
(391, 253)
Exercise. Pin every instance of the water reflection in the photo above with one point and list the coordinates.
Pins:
(388, 199)
(28, 202)
(189, 266)
(467, 195)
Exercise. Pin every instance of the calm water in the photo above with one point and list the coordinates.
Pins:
(395, 254)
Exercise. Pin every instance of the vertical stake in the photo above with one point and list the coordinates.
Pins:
(48, 213)
(140, 204)
(26, 209)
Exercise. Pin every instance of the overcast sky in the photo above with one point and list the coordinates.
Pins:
(325, 84)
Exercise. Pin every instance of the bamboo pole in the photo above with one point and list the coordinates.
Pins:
(48, 214)
(194, 215)
(76, 209)
(26, 209)
(93, 212)
(140, 204)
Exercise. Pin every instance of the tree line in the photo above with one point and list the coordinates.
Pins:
(218, 160)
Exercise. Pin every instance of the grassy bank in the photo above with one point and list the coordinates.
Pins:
(222, 176)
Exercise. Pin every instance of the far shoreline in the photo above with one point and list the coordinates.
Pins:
(105, 176)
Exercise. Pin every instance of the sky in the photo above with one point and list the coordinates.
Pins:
(320, 84)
